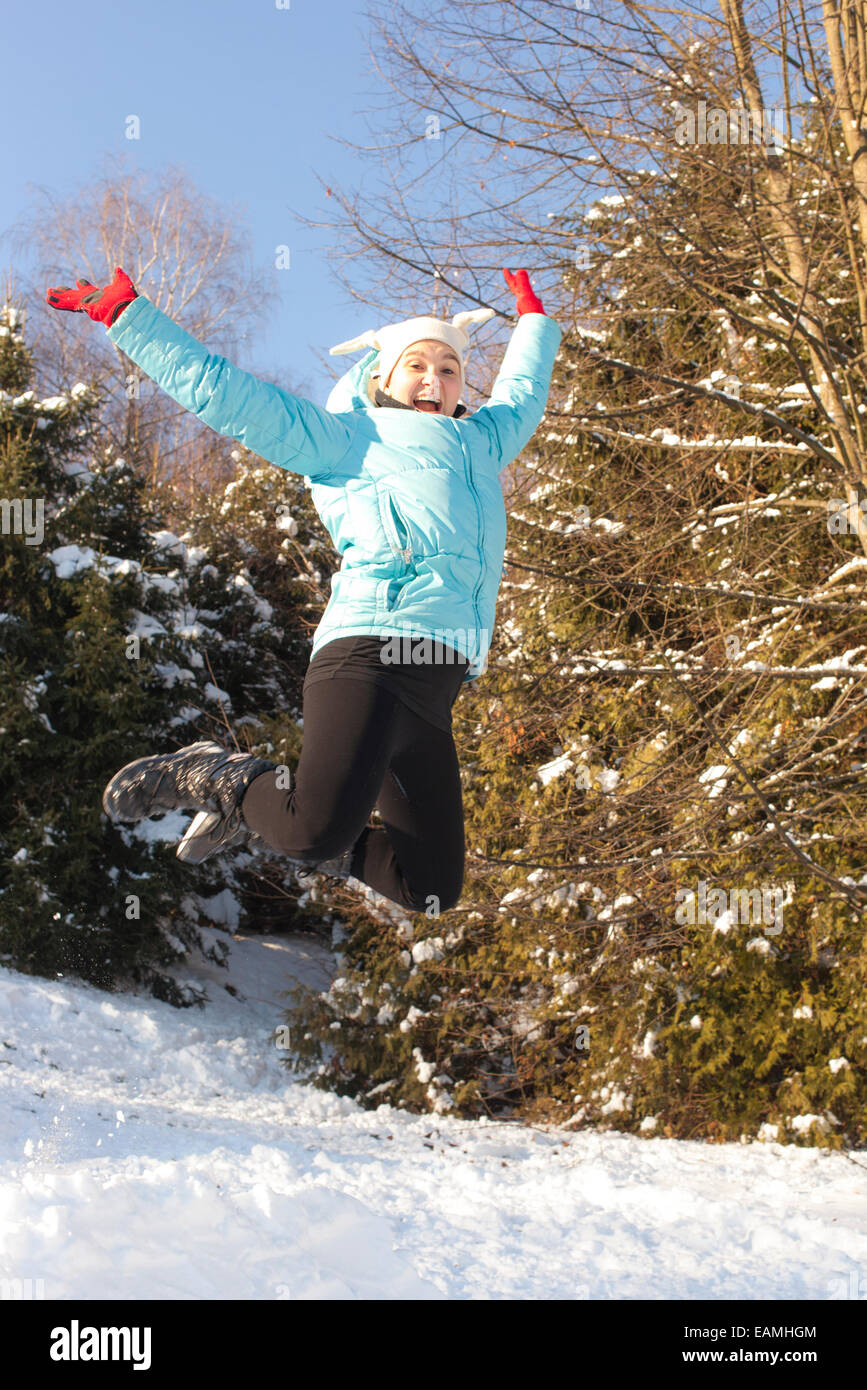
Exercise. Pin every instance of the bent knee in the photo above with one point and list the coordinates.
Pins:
(318, 851)
(438, 898)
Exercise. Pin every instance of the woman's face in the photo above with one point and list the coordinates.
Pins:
(427, 376)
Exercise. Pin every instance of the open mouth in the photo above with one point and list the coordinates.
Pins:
(428, 406)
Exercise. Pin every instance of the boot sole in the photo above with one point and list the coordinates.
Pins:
(202, 838)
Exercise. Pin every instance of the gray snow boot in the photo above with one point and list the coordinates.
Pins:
(203, 777)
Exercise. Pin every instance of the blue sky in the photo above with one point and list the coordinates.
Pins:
(241, 93)
(252, 99)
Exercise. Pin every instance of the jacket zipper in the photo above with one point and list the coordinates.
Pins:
(481, 517)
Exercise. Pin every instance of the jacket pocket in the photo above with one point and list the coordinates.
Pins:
(396, 528)
(388, 595)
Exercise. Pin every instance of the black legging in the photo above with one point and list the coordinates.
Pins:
(363, 748)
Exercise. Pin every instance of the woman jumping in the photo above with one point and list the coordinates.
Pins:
(407, 485)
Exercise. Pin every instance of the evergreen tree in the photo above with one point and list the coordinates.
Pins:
(90, 677)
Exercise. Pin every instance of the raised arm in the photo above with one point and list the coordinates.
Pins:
(284, 429)
(515, 407)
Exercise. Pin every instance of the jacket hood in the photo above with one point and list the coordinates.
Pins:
(350, 391)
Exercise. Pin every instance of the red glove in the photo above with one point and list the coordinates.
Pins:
(519, 284)
(103, 305)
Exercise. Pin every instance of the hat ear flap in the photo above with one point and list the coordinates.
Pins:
(370, 339)
(468, 316)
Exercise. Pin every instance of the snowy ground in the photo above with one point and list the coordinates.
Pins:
(148, 1152)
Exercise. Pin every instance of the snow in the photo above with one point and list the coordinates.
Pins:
(553, 769)
(169, 828)
(803, 1123)
(262, 608)
(145, 625)
(432, 948)
(70, 559)
(170, 673)
(149, 1152)
(717, 777)
(213, 692)
(169, 544)
(222, 908)
(761, 946)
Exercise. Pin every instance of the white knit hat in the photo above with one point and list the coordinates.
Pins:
(392, 340)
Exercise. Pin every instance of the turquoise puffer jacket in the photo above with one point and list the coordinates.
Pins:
(412, 502)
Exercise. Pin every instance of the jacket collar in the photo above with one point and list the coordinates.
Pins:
(382, 398)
